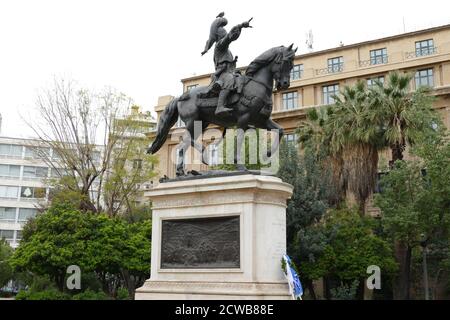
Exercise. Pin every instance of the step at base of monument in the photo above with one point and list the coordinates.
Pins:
(183, 290)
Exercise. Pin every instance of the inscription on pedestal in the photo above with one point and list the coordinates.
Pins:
(200, 243)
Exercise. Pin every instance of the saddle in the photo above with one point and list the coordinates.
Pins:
(211, 96)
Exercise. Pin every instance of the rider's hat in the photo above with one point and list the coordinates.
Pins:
(220, 22)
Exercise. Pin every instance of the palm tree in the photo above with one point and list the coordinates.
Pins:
(356, 137)
(405, 116)
(348, 136)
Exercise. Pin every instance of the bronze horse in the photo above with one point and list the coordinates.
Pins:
(252, 106)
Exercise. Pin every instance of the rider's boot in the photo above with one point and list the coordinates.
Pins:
(221, 109)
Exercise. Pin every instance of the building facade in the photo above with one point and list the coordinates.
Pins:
(317, 76)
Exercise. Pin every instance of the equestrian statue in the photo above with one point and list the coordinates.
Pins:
(232, 99)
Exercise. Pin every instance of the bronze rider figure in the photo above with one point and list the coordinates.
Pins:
(225, 63)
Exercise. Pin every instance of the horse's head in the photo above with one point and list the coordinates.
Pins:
(282, 66)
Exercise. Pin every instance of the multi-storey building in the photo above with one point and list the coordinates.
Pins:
(317, 76)
(23, 173)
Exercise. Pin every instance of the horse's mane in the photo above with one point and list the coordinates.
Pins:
(263, 59)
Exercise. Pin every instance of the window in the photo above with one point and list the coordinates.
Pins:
(291, 139)
(36, 152)
(7, 213)
(371, 82)
(34, 172)
(424, 78)
(425, 48)
(189, 88)
(56, 156)
(6, 234)
(9, 192)
(26, 213)
(32, 193)
(328, 92)
(137, 164)
(10, 150)
(18, 235)
(96, 155)
(336, 64)
(378, 56)
(297, 72)
(290, 100)
(57, 173)
(9, 171)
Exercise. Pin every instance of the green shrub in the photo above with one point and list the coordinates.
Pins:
(50, 294)
(90, 295)
(22, 295)
(122, 294)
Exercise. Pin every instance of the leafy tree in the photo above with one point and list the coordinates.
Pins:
(118, 252)
(307, 204)
(415, 205)
(97, 150)
(6, 272)
(131, 167)
(350, 246)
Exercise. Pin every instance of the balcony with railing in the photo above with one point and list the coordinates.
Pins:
(330, 69)
(374, 61)
(423, 52)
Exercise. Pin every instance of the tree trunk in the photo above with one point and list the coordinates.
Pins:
(402, 281)
(326, 288)
(129, 282)
(60, 277)
(310, 286)
(360, 289)
(397, 153)
(425, 273)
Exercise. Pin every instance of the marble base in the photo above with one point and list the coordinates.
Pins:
(259, 202)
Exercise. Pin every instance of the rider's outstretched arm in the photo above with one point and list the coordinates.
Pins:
(234, 34)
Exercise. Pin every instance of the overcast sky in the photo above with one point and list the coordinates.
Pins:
(143, 48)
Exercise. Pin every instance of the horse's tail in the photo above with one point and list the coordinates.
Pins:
(166, 121)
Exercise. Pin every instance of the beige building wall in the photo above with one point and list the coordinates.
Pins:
(356, 66)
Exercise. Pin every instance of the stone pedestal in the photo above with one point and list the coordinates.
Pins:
(218, 238)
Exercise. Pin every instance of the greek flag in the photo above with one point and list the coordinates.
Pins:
(295, 287)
